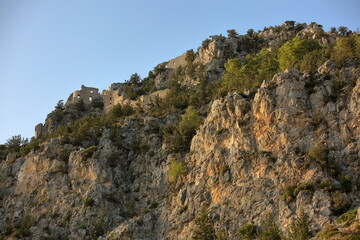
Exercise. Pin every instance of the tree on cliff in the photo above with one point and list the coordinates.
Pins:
(204, 229)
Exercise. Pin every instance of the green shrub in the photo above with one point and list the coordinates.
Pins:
(160, 68)
(186, 129)
(34, 145)
(222, 235)
(3, 152)
(327, 185)
(147, 85)
(80, 106)
(327, 233)
(97, 103)
(120, 111)
(205, 43)
(289, 193)
(20, 230)
(204, 229)
(247, 232)
(60, 105)
(307, 187)
(190, 56)
(340, 204)
(130, 92)
(347, 218)
(319, 152)
(353, 236)
(177, 169)
(15, 143)
(97, 228)
(85, 131)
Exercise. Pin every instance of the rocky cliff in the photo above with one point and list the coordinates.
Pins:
(292, 146)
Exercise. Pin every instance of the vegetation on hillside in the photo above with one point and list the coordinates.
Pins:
(182, 111)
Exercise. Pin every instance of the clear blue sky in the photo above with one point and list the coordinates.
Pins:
(49, 48)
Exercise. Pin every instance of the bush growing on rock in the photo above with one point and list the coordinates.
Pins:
(289, 193)
(3, 152)
(205, 43)
(14, 143)
(247, 232)
(176, 170)
(222, 235)
(328, 232)
(340, 203)
(34, 145)
(319, 152)
(119, 111)
(190, 56)
(186, 129)
(348, 218)
(97, 103)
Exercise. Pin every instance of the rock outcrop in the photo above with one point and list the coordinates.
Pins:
(292, 146)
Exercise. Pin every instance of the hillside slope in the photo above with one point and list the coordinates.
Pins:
(286, 145)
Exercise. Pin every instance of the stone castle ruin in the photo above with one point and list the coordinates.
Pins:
(86, 94)
(112, 96)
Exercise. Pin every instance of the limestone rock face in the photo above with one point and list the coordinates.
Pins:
(292, 146)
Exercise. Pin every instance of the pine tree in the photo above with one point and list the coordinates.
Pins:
(300, 229)
(270, 230)
(204, 227)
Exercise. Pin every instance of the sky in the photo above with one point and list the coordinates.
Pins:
(49, 48)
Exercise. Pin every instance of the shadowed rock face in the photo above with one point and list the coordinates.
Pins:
(250, 157)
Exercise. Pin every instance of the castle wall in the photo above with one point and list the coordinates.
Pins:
(87, 94)
(175, 62)
(111, 98)
(146, 99)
